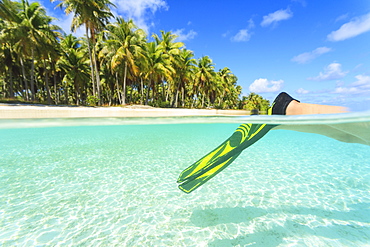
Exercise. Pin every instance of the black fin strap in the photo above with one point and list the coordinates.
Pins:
(280, 104)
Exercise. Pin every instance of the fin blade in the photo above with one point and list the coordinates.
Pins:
(218, 159)
(192, 184)
(205, 161)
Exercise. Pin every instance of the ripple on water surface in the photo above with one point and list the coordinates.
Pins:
(116, 185)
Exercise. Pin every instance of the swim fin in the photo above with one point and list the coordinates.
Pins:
(217, 160)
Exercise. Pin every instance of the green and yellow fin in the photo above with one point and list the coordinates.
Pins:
(240, 135)
(191, 184)
(217, 160)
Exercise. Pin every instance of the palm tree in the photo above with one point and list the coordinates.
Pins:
(29, 32)
(94, 14)
(127, 69)
(40, 34)
(123, 45)
(158, 66)
(167, 43)
(170, 48)
(184, 66)
(75, 65)
(255, 101)
(228, 94)
(8, 14)
(204, 77)
(11, 36)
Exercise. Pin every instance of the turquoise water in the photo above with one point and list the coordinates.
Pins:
(115, 185)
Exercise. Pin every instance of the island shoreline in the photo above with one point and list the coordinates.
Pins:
(25, 111)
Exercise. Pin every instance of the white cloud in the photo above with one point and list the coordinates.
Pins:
(181, 36)
(263, 85)
(351, 29)
(244, 34)
(226, 34)
(362, 85)
(346, 90)
(251, 24)
(363, 81)
(309, 56)
(302, 91)
(280, 15)
(332, 72)
(65, 23)
(303, 2)
(139, 10)
(341, 18)
(61, 19)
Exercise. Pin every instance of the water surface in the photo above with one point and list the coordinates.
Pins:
(115, 185)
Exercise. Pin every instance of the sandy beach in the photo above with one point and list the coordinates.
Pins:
(23, 111)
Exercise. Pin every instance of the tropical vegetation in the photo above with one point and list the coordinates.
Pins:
(115, 63)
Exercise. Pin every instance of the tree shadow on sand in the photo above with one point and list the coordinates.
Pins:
(354, 228)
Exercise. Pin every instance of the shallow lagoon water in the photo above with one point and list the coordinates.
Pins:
(115, 185)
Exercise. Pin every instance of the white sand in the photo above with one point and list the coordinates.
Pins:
(15, 111)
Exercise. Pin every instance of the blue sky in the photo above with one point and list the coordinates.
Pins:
(318, 51)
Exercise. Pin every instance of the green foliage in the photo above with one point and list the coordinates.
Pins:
(164, 104)
(92, 100)
(113, 65)
(254, 101)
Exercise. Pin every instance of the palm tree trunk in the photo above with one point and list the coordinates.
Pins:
(96, 74)
(95, 64)
(176, 97)
(124, 86)
(24, 80)
(148, 90)
(165, 93)
(11, 92)
(91, 61)
(56, 92)
(47, 83)
(66, 94)
(77, 97)
(118, 93)
(110, 97)
(142, 91)
(5, 85)
(32, 75)
(183, 96)
(147, 96)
